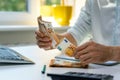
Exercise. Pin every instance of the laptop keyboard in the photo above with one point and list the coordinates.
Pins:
(8, 55)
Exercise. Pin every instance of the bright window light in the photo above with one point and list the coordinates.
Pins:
(25, 12)
(46, 9)
(19, 12)
(13, 5)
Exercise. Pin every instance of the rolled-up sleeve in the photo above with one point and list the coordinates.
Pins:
(82, 26)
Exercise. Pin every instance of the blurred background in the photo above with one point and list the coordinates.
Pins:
(13, 5)
(18, 18)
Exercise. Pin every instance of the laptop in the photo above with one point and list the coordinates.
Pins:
(10, 56)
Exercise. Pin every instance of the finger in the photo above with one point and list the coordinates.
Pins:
(91, 60)
(80, 53)
(83, 52)
(40, 34)
(43, 44)
(43, 39)
(88, 61)
(79, 48)
(83, 46)
(85, 57)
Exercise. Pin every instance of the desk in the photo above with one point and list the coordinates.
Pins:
(41, 57)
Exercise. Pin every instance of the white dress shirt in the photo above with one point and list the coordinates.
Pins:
(101, 19)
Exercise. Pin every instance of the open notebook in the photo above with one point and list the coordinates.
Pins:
(9, 56)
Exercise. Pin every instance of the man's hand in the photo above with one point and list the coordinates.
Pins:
(43, 41)
(92, 52)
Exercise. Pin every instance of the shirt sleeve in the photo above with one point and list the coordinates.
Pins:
(82, 26)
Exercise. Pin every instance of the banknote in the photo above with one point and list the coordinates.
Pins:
(47, 28)
(66, 47)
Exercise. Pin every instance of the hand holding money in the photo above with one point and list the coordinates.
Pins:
(47, 34)
(49, 39)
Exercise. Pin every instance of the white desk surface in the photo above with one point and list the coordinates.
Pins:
(41, 57)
